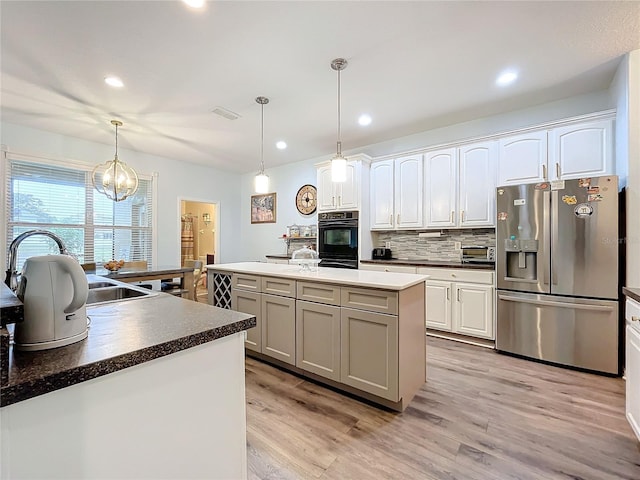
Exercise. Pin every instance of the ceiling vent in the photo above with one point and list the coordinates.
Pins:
(223, 112)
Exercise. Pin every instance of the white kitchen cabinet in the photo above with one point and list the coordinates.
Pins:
(632, 365)
(408, 192)
(382, 198)
(523, 158)
(460, 301)
(571, 151)
(460, 186)
(581, 150)
(388, 268)
(339, 196)
(441, 188)
(477, 185)
(474, 310)
(397, 193)
(318, 339)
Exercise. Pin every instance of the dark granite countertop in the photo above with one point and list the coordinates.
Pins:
(134, 272)
(632, 293)
(432, 263)
(283, 256)
(11, 309)
(121, 335)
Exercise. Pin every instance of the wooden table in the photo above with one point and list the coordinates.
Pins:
(136, 274)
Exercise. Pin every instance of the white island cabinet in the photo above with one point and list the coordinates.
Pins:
(359, 331)
(632, 364)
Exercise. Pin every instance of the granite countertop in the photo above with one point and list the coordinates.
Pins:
(432, 263)
(281, 256)
(339, 276)
(11, 309)
(632, 293)
(121, 335)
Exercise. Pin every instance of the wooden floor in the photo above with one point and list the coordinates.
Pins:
(481, 415)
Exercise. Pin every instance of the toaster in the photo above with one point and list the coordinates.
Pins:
(381, 254)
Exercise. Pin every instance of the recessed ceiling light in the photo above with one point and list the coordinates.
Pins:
(506, 78)
(113, 81)
(281, 145)
(364, 120)
(194, 3)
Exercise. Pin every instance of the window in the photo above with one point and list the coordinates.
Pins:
(61, 199)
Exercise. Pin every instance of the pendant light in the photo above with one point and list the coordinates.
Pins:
(261, 180)
(339, 163)
(114, 178)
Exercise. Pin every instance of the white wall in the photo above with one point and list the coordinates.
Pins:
(261, 240)
(176, 179)
(630, 69)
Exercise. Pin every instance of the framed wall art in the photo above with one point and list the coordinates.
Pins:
(263, 208)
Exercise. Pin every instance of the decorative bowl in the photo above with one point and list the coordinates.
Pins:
(113, 265)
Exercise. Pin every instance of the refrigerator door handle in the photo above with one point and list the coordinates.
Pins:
(555, 240)
(599, 308)
(544, 172)
(545, 239)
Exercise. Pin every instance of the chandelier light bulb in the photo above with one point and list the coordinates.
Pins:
(261, 181)
(339, 163)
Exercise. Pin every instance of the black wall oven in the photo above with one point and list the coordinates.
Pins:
(338, 239)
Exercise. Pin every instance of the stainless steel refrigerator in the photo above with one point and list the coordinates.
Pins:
(557, 272)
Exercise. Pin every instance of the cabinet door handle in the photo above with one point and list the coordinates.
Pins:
(339, 200)
(558, 170)
(398, 220)
(391, 219)
(461, 216)
(452, 214)
(458, 295)
(447, 293)
(333, 201)
(544, 172)
(635, 319)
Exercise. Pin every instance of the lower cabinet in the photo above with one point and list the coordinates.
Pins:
(632, 365)
(318, 339)
(279, 327)
(460, 301)
(251, 303)
(369, 347)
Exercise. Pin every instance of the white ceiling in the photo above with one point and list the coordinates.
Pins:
(413, 66)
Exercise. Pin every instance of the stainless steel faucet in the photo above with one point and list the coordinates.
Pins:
(11, 279)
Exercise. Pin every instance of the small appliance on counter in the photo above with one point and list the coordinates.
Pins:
(381, 254)
(478, 254)
(54, 291)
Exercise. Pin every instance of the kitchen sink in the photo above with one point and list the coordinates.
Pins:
(115, 293)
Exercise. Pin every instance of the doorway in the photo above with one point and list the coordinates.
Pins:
(199, 238)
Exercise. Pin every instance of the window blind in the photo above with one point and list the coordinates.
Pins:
(61, 199)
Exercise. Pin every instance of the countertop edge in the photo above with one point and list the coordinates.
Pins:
(23, 391)
(489, 267)
(632, 293)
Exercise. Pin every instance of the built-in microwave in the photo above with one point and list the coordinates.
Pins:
(338, 239)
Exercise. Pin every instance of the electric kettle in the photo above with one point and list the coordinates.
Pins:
(54, 290)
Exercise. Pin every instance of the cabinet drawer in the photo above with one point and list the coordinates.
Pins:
(632, 311)
(458, 275)
(319, 293)
(388, 268)
(279, 286)
(243, 281)
(383, 301)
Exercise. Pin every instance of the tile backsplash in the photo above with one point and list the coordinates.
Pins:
(407, 243)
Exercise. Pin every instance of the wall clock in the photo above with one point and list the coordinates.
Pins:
(307, 199)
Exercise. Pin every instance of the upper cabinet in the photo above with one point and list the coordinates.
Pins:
(562, 153)
(396, 193)
(460, 186)
(339, 196)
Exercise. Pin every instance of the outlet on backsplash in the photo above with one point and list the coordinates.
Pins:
(387, 244)
(457, 246)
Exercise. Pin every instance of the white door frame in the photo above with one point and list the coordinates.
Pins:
(216, 243)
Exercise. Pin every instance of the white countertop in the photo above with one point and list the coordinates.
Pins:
(341, 276)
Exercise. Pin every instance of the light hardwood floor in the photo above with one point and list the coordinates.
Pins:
(481, 416)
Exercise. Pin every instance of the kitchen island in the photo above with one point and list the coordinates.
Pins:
(155, 391)
(359, 331)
